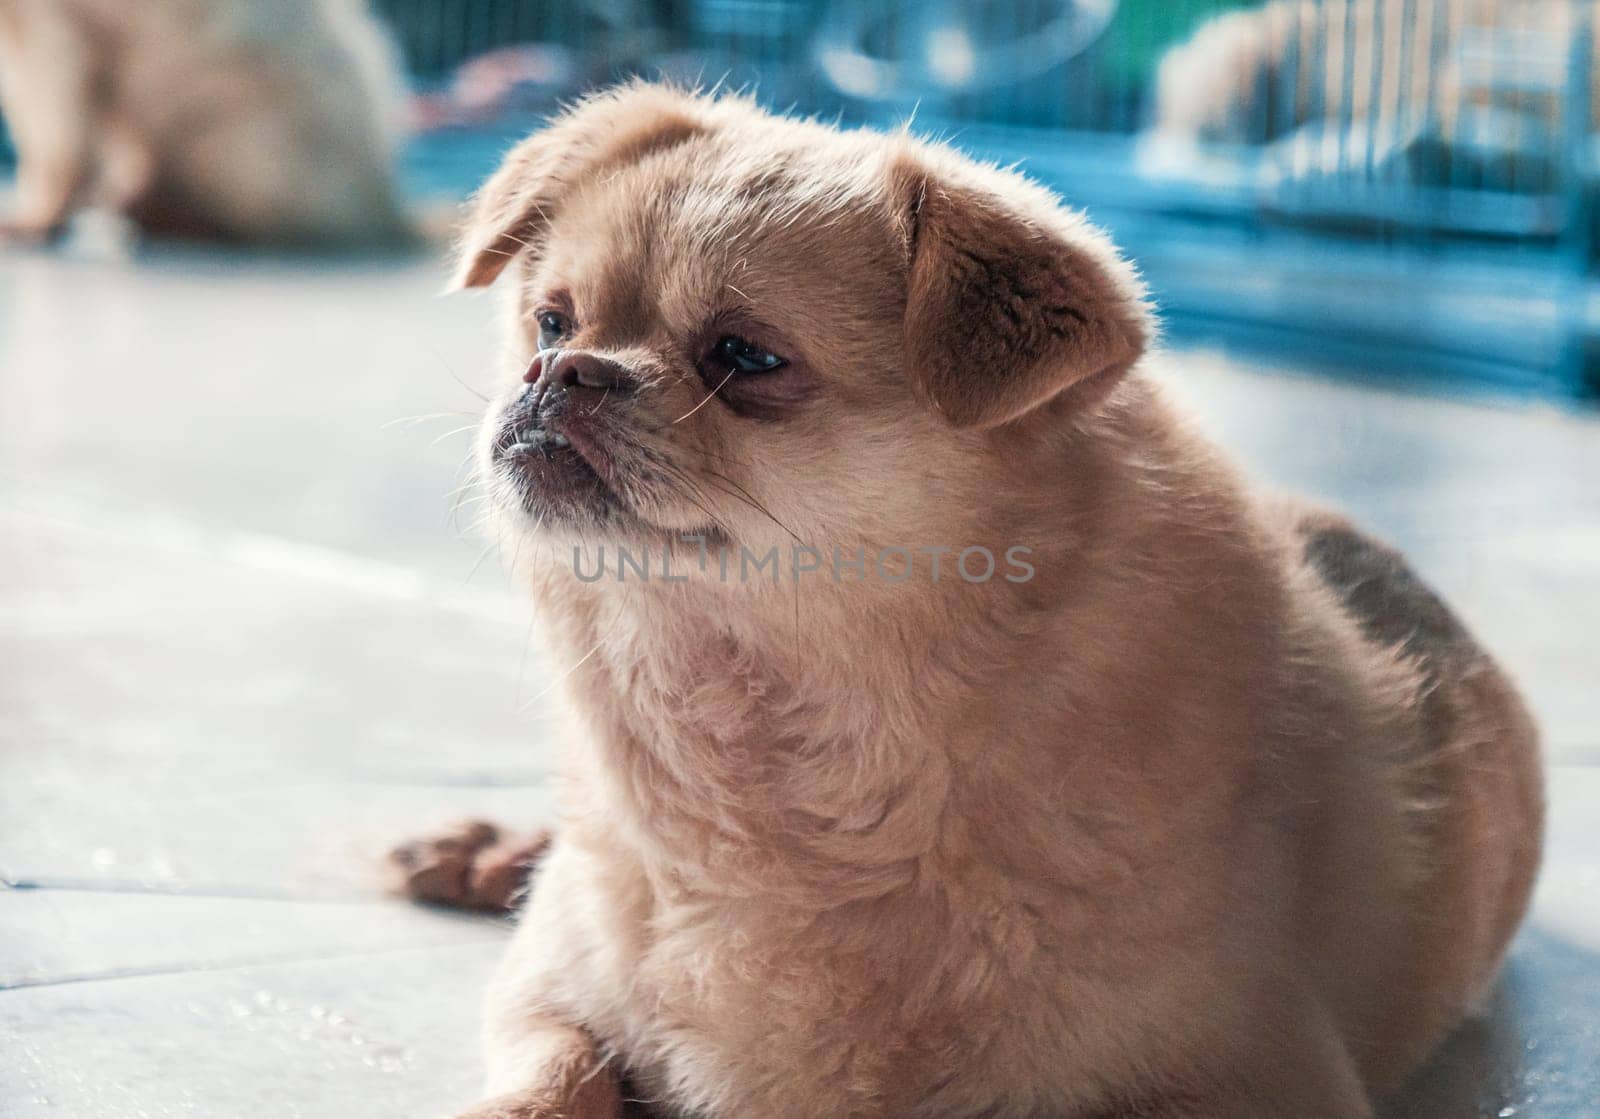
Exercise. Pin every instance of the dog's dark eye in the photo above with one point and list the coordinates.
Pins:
(553, 327)
(737, 355)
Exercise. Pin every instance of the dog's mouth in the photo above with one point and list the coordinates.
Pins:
(553, 475)
(580, 469)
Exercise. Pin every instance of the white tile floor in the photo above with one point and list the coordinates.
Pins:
(241, 649)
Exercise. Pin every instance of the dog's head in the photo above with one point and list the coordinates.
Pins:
(771, 332)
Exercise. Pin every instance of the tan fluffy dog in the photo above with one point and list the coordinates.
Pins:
(251, 120)
(1214, 810)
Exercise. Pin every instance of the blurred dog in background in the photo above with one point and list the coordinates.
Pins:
(1427, 88)
(269, 121)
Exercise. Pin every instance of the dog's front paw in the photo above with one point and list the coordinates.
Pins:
(469, 865)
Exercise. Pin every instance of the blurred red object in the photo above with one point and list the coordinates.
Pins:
(499, 83)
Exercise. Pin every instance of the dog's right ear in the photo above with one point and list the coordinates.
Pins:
(511, 210)
(1011, 299)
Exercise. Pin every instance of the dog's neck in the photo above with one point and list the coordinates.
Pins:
(800, 741)
(723, 728)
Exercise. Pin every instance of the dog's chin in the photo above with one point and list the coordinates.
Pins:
(554, 485)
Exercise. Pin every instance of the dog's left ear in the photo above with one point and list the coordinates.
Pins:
(1011, 300)
(509, 214)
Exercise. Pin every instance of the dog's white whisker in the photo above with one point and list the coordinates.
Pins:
(412, 421)
(456, 431)
(708, 398)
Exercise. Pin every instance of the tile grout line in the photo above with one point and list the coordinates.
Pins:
(242, 965)
(205, 891)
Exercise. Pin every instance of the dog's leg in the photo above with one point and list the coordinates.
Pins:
(554, 1071)
(127, 164)
(46, 86)
(1234, 1107)
(541, 1066)
(1292, 1062)
(469, 865)
(1321, 1094)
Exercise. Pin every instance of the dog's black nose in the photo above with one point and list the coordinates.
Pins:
(554, 375)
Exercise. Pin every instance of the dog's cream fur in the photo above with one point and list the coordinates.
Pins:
(251, 120)
(1221, 814)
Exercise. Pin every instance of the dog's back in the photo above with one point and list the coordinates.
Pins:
(1471, 777)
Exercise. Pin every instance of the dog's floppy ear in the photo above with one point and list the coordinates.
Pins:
(508, 214)
(1011, 300)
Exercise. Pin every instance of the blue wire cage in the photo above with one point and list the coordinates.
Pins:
(1399, 183)
(1405, 181)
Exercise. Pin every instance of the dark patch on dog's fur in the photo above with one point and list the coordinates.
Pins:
(1392, 605)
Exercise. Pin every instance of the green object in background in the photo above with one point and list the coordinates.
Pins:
(1143, 30)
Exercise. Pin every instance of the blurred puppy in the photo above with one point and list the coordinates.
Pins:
(1388, 68)
(248, 120)
(1213, 811)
